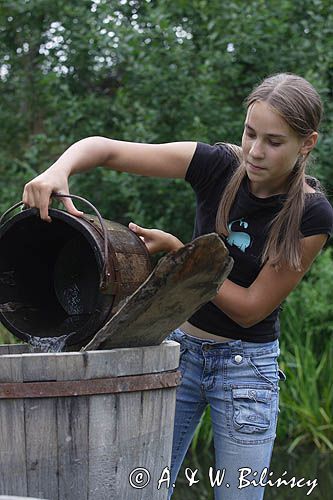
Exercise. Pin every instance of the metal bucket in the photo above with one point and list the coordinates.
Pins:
(66, 277)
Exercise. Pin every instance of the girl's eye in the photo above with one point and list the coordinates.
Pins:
(275, 144)
(250, 134)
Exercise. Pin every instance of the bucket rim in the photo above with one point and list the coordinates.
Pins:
(78, 223)
(83, 226)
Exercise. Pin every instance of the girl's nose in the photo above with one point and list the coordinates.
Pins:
(257, 150)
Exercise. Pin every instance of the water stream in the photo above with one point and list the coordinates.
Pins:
(72, 323)
(48, 344)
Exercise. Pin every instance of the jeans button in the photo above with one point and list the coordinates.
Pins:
(238, 358)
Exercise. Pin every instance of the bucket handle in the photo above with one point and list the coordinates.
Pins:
(105, 272)
(9, 210)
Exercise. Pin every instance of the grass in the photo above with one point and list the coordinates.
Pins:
(6, 337)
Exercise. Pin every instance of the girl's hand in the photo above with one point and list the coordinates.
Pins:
(37, 193)
(156, 240)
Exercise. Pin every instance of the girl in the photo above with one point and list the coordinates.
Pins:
(275, 220)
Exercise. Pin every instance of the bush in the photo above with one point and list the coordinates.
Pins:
(307, 360)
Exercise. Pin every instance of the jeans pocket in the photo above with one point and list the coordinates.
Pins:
(265, 367)
(253, 414)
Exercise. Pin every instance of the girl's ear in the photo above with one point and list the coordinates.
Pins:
(309, 143)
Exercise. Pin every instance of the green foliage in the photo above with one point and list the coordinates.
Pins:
(307, 400)
(146, 71)
(307, 360)
(6, 337)
(309, 307)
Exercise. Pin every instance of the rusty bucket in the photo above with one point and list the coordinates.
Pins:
(67, 277)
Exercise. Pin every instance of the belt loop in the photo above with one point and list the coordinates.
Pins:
(181, 334)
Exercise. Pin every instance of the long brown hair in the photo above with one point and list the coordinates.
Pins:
(295, 99)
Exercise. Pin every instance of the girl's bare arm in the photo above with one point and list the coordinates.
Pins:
(248, 306)
(158, 160)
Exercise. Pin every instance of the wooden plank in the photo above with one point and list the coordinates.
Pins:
(180, 284)
(128, 441)
(11, 368)
(5, 497)
(41, 447)
(14, 349)
(103, 456)
(72, 425)
(144, 440)
(41, 429)
(99, 364)
(19, 348)
(157, 445)
(135, 361)
(39, 366)
(4, 349)
(13, 476)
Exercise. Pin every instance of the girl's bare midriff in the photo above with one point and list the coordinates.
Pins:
(202, 334)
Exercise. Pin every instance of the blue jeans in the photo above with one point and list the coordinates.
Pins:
(239, 380)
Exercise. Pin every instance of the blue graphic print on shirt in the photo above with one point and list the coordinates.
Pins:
(238, 238)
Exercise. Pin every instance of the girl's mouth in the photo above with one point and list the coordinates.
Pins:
(255, 167)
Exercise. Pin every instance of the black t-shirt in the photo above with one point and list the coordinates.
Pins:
(208, 173)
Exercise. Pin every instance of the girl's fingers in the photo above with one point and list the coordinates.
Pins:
(135, 228)
(70, 207)
(41, 198)
(43, 204)
(37, 197)
(28, 197)
(132, 226)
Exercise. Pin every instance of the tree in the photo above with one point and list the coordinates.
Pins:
(146, 71)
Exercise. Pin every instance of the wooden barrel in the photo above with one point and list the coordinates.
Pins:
(93, 425)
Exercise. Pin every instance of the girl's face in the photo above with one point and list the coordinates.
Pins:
(270, 149)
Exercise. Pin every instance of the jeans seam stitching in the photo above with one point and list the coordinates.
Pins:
(183, 433)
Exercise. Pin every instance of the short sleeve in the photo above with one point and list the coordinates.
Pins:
(318, 216)
(208, 165)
